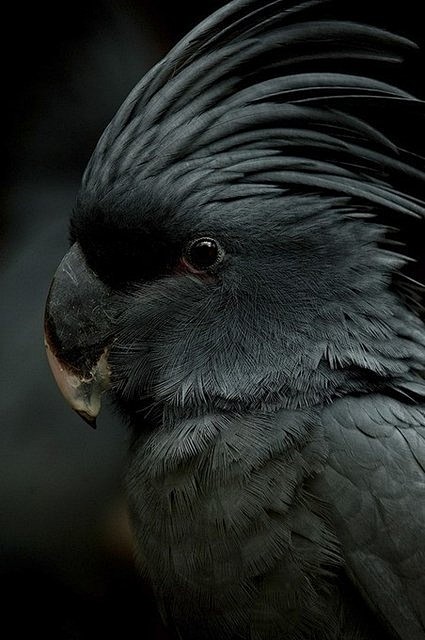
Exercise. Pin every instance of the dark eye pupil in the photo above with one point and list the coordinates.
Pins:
(203, 253)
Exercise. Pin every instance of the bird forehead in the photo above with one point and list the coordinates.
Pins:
(167, 215)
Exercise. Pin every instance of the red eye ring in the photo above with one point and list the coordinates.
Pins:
(203, 254)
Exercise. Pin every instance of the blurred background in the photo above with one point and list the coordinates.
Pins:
(65, 548)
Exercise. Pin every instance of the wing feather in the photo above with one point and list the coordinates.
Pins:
(375, 482)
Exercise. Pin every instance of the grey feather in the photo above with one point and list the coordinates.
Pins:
(276, 399)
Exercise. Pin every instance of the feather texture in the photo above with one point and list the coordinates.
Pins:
(276, 478)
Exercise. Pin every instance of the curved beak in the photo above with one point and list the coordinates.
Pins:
(77, 330)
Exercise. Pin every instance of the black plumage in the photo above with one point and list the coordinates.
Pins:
(276, 478)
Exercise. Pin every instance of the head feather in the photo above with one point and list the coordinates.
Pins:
(266, 97)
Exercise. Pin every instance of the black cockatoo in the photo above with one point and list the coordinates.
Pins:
(234, 276)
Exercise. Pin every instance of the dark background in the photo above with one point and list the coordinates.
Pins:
(65, 549)
(66, 568)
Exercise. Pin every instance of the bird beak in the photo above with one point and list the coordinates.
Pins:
(77, 330)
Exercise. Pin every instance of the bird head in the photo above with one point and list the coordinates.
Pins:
(228, 250)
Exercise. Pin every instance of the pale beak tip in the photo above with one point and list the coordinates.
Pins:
(88, 419)
(82, 392)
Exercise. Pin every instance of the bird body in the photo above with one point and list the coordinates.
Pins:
(234, 261)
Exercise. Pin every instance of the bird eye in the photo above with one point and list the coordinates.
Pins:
(203, 253)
